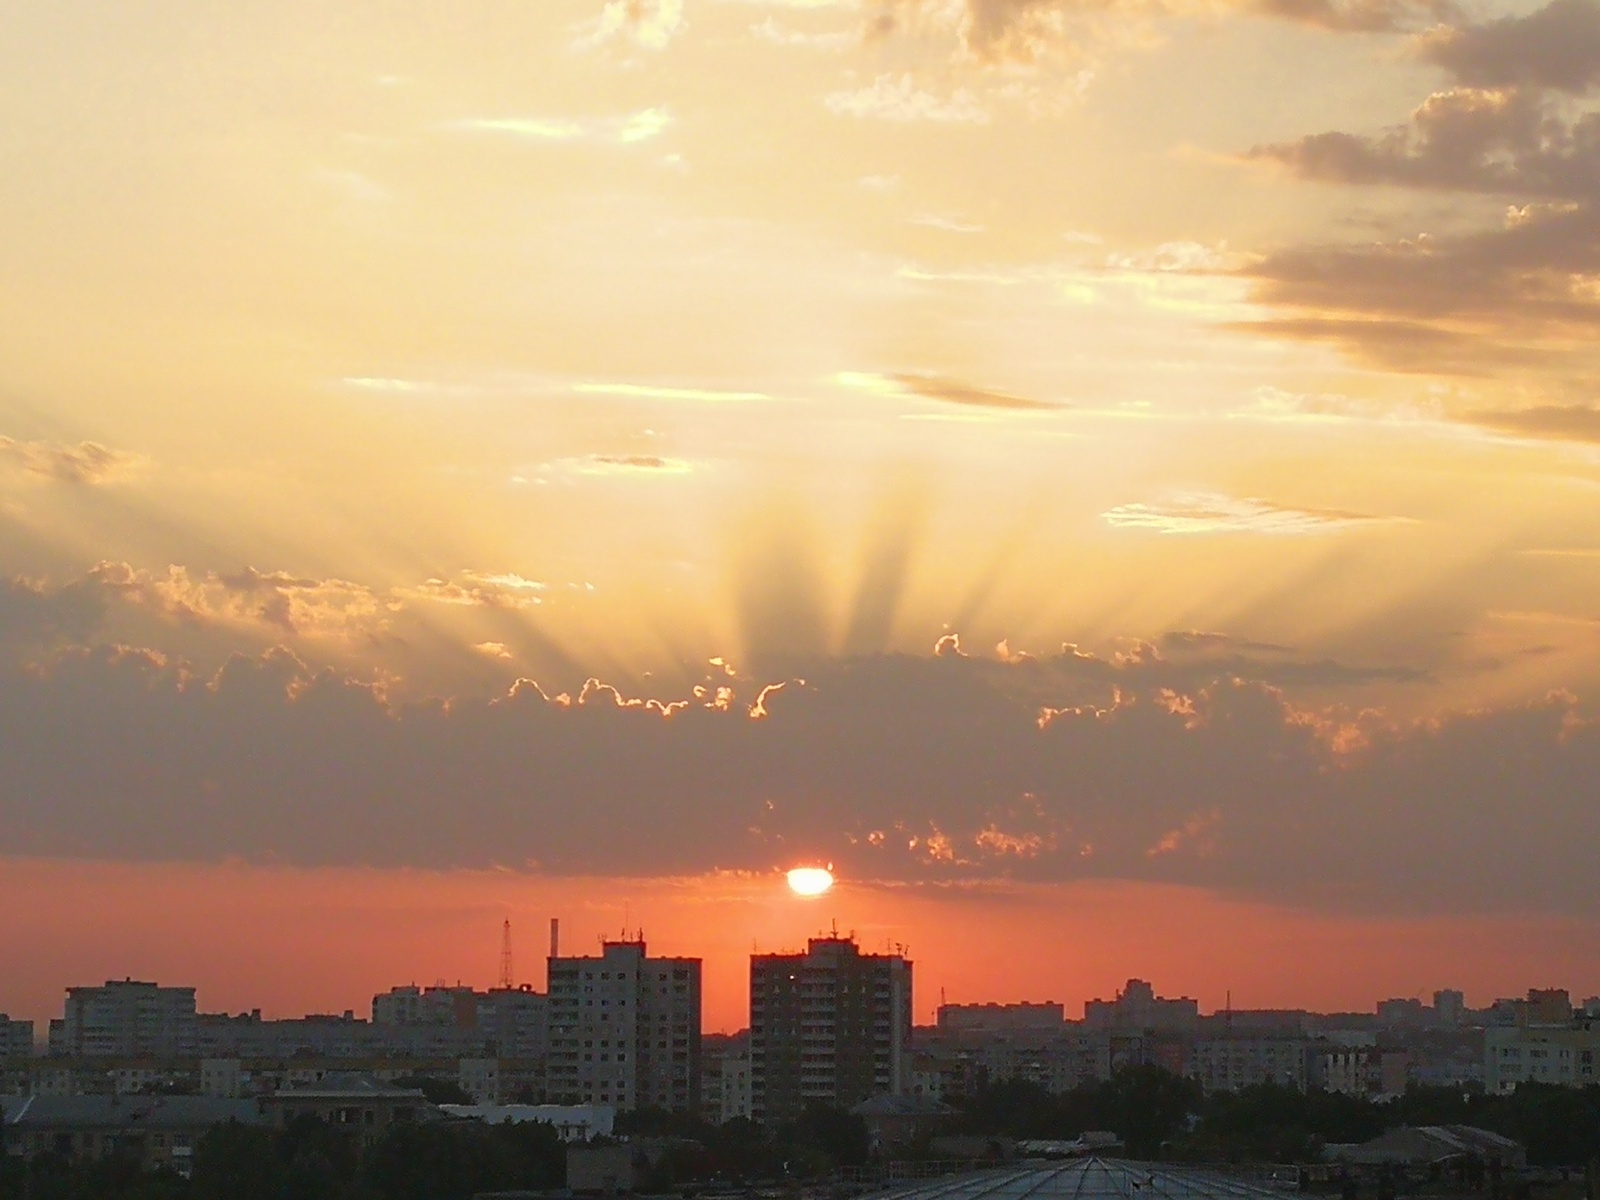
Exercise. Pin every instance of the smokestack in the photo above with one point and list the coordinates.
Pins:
(555, 937)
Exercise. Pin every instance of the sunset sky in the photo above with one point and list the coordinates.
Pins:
(1118, 479)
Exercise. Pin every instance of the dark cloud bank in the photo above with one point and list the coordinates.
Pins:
(1161, 765)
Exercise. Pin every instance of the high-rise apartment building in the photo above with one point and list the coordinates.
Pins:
(127, 1019)
(624, 1029)
(831, 1026)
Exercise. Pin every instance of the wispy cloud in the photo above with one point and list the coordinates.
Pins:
(638, 466)
(907, 385)
(79, 463)
(898, 98)
(646, 24)
(646, 391)
(1210, 512)
(1559, 423)
(945, 223)
(773, 31)
(625, 130)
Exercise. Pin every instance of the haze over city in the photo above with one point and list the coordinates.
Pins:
(1117, 483)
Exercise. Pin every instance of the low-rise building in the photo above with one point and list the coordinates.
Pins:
(1559, 1054)
(363, 1107)
(155, 1131)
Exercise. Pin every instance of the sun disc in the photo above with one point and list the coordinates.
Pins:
(810, 881)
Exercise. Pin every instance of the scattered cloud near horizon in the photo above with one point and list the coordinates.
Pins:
(1197, 513)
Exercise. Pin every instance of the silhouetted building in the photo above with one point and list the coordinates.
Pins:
(1138, 1007)
(1001, 1018)
(831, 1025)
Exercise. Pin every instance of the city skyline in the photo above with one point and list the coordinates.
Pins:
(719, 1018)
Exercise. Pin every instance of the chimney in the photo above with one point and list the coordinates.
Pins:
(555, 937)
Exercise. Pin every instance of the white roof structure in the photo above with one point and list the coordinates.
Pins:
(1087, 1179)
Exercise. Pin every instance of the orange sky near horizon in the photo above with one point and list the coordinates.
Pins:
(291, 941)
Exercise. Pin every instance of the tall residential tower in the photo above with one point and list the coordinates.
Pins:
(625, 1029)
(831, 1026)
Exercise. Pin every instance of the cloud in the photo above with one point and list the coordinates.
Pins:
(1354, 16)
(1572, 423)
(1500, 141)
(948, 391)
(898, 98)
(277, 600)
(33, 612)
(618, 465)
(1518, 297)
(895, 767)
(641, 391)
(1557, 46)
(626, 130)
(1210, 513)
(473, 589)
(1524, 296)
(946, 224)
(773, 31)
(85, 463)
(1029, 31)
(646, 24)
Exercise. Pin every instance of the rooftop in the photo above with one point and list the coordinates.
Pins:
(1087, 1179)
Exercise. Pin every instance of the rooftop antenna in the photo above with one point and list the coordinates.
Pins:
(507, 975)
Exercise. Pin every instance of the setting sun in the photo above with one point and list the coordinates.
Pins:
(810, 881)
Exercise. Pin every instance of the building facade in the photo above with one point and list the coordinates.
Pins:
(127, 1019)
(1560, 1054)
(831, 1026)
(624, 1029)
(1228, 1064)
(16, 1038)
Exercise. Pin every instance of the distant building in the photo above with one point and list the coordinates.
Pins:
(441, 1006)
(126, 1019)
(1228, 1064)
(725, 1077)
(997, 1018)
(1560, 1054)
(1138, 1007)
(222, 1078)
(624, 1029)
(1403, 1013)
(156, 1131)
(515, 1022)
(831, 1025)
(480, 1079)
(1366, 1071)
(363, 1107)
(16, 1038)
(1449, 1007)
